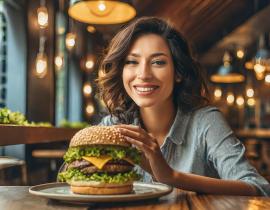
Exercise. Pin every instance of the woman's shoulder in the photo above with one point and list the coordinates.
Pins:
(206, 111)
(125, 118)
(109, 120)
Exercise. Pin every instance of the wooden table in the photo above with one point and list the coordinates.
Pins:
(14, 134)
(17, 197)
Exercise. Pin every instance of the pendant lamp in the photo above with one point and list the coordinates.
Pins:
(227, 73)
(101, 11)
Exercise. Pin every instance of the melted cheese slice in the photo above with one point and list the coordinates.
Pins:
(99, 162)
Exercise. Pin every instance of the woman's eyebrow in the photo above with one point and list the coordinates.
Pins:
(152, 55)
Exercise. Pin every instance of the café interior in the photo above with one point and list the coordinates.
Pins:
(50, 54)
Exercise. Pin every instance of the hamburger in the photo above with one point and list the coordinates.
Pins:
(100, 161)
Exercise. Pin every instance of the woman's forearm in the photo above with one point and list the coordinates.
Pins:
(202, 184)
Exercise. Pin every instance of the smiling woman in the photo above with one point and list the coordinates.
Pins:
(157, 97)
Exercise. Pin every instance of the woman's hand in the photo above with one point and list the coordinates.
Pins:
(145, 142)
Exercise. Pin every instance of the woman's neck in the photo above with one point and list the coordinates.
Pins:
(158, 120)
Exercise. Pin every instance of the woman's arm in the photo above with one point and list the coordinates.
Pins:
(202, 184)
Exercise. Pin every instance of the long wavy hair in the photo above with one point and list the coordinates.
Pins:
(191, 93)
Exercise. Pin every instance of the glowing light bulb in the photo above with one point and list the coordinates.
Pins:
(230, 98)
(251, 101)
(42, 17)
(41, 65)
(102, 6)
(218, 93)
(70, 40)
(267, 78)
(90, 109)
(87, 89)
(259, 70)
(59, 61)
(250, 92)
(240, 101)
(89, 64)
(240, 53)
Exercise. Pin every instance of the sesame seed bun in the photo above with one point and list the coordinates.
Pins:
(99, 135)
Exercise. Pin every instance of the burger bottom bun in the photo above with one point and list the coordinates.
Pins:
(105, 190)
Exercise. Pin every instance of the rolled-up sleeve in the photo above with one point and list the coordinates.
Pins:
(226, 153)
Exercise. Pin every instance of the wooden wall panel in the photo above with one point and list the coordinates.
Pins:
(40, 91)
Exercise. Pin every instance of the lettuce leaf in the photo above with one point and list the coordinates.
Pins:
(77, 175)
(116, 152)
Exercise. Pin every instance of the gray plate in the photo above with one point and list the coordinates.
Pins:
(61, 191)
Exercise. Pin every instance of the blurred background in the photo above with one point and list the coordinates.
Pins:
(50, 52)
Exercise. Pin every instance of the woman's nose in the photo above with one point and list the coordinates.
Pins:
(144, 71)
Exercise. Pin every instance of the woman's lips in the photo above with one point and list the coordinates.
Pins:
(145, 90)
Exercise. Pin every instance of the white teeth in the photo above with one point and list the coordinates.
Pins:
(144, 89)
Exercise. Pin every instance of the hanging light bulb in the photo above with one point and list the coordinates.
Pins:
(230, 98)
(259, 69)
(251, 102)
(87, 89)
(240, 53)
(267, 78)
(217, 93)
(240, 101)
(42, 15)
(250, 92)
(89, 63)
(59, 62)
(41, 65)
(89, 109)
(70, 40)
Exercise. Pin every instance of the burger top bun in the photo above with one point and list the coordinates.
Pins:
(108, 135)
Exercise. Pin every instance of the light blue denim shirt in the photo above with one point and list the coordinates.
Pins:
(201, 142)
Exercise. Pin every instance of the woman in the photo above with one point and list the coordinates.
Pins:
(156, 96)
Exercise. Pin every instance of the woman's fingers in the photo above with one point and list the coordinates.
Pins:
(138, 144)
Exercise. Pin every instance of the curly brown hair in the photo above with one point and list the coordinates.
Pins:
(191, 93)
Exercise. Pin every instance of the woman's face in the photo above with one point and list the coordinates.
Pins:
(148, 73)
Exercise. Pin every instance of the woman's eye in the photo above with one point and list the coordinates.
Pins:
(131, 62)
(159, 62)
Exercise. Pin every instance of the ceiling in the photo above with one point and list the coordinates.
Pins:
(210, 25)
(204, 22)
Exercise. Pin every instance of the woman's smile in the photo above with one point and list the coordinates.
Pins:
(145, 90)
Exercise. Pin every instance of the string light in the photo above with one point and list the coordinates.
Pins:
(240, 101)
(89, 109)
(87, 89)
(89, 64)
(251, 102)
(267, 78)
(250, 92)
(217, 93)
(59, 61)
(230, 98)
(70, 40)
(41, 65)
(240, 53)
(42, 15)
